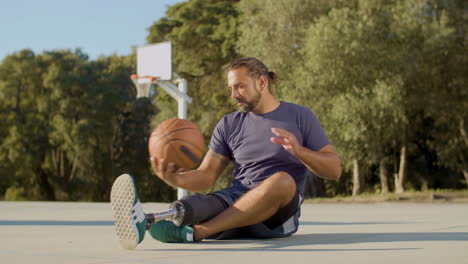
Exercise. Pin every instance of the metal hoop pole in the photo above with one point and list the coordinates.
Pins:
(182, 113)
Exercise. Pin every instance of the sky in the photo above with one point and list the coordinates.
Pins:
(97, 27)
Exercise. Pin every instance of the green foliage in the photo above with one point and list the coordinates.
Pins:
(273, 31)
(71, 126)
(379, 74)
(15, 194)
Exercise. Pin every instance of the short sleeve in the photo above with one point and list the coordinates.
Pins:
(314, 135)
(218, 142)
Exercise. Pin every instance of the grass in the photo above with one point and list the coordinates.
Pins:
(439, 195)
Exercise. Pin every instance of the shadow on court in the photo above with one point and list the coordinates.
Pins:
(83, 233)
(286, 244)
(109, 223)
(351, 223)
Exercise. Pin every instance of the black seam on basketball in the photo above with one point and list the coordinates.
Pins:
(185, 141)
(184, 157)
(166, 128)
(173, 122)
(165, 149)
(174, 150)
(189, 154)
(170, 148)
(172, 132)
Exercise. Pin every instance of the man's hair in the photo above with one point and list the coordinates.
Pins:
(255, 67)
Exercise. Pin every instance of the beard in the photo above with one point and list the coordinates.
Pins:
(249, 105)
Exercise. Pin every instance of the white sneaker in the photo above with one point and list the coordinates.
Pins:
(130, 220)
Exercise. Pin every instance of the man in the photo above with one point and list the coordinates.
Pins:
(271, 143)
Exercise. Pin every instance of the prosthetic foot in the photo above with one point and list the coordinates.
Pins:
(170, 231)
(188, 211)
(175, 214)
(131, 222)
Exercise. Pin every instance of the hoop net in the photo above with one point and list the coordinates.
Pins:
(143, 84)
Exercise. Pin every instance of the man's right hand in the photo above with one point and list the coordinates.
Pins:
(196, 180)
(166, 171)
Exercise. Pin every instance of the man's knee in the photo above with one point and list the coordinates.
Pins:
(284, 184)
(284, 181)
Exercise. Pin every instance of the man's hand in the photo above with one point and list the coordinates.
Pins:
(287, 139)
(325, 163)
(164, 170)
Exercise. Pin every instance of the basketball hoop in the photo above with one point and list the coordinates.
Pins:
(143, 84)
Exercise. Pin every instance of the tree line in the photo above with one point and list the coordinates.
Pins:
(385, 78)
(70, 126)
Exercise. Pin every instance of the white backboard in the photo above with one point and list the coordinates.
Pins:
(155, 60)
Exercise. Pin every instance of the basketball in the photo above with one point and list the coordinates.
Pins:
(179, 141)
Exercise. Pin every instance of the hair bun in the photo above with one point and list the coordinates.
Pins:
(273, 76)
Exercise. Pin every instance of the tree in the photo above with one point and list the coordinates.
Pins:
(274, 31)
(203, 36)
(432, 41)
(445, 56)
(25, 141)
(362, 112)
(71, 126)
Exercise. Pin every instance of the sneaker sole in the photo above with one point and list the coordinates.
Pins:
(122, 199)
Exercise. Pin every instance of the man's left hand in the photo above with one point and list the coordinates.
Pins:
(287, 139)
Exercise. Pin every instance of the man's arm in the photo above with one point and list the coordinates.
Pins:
(199, 179)
(325, 163)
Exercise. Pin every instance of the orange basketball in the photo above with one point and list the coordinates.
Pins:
(179, 141)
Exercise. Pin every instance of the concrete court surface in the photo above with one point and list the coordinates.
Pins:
(67, 232)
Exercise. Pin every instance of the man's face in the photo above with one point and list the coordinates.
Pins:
(243, 89)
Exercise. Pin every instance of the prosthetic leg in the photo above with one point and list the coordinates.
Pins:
(190, 210)
(131, 222)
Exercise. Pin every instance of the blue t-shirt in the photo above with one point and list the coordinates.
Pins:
(245, 139)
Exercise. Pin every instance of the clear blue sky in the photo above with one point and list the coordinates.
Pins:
(98, 27)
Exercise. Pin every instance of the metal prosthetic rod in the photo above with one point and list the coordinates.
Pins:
(190, 210)
(175, 214)
(155, 217)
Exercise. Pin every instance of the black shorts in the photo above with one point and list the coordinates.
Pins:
(283, 223)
